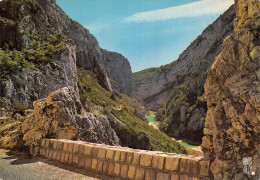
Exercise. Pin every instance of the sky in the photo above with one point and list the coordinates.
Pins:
(149, 33)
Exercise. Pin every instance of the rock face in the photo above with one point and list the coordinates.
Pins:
(61, 116)
(232, 90)
(119, 72)
(155, 85)
(179, 87)
(19, 20)
(21, 89)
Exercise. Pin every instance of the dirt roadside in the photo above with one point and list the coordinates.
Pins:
(13, 167)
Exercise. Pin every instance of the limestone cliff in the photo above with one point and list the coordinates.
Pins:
(155, 85)
(24, 25)
(52, 64)
(119, 72)
(178, 86)
(232, 90)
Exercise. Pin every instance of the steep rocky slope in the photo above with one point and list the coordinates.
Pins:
(178, 87)
(155, 85)
(232, 90)
(119, 72)
(26, 23)
(52, 64)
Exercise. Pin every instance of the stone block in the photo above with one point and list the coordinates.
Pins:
(117, 156)
(101, 153)
(124, 171)
(105, 167)
(75, 148)
(54, 154)
(189, 166)
(129, 157)
(87, 150)
(185, 177)
(50, 154)
(131, 172)
(99, 166)
(158, 162)
(172, 163)
(81, 161)
(111, 168)
(94, 151)
(70, 147)
(60, 145)
(58, 156)
(65, 146)
(136, 158)
(110, 154)
(94, 164)
(139, 173)
(162, 176)
(146, 160)
(174, 177)
(67, 157)
(204, 167)
(55, 144)
(81, 148)
(47, 151)
(123, 156)
(75, 159)
(62, 157)
(88, 161)
(117, 169)
(150, 174)
(70, 158)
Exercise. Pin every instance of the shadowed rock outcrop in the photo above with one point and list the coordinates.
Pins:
(61, 116)
(232, 128)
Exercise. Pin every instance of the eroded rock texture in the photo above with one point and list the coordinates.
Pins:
(61, 116)
(20, 22)
(21, 89)
(119, 72)
(179, 87)
(232, 91)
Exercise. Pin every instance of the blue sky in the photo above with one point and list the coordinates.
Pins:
(150, 33)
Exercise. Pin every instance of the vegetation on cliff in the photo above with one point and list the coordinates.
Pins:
(42, 49)
(147, 73)
(122, 107)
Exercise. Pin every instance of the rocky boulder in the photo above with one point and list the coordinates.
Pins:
(61, 116)
(232, 90)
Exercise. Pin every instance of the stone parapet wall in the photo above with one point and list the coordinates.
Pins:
(124, 162)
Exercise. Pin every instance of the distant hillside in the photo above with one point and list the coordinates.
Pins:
(176, 90)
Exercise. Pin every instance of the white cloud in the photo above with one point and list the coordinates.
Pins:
(203, 7)
(97, 28)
